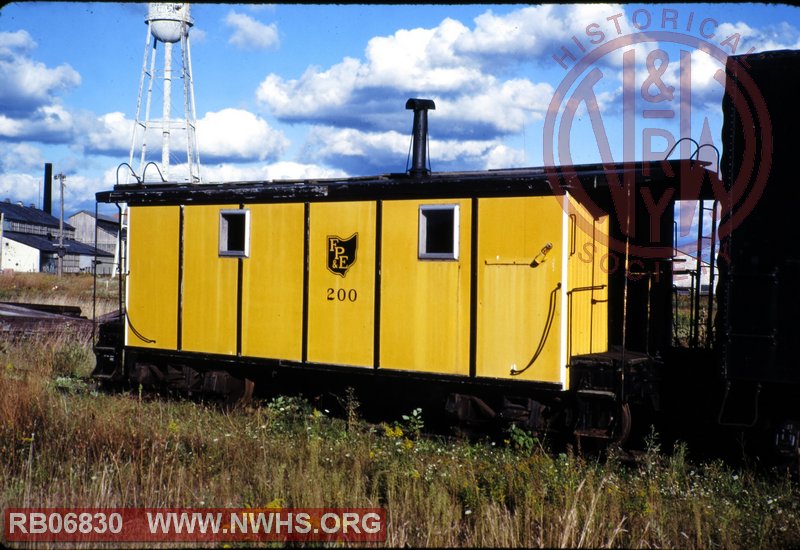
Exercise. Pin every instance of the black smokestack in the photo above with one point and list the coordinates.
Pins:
(47, 201)
(419, 160)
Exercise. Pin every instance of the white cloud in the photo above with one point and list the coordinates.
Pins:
(229, 134)
(707, 89)
(30, 109)
(477, 154)
(421, 59)
(15, 42)
(296, 170)
(339, 144)
(283, 170)
(745, 31)
(779, 37)
(76, 190)
(21, 187)
(198, 36)
(111, 133)
(9, 127)
(49, 123)
(313, 92)
(505, 106)
(501, 156)
(20, 156)
(28, 84)
(249, 34)
(464, 69)
(238, 134)
(377, 150)
(24, 183)
(109, 177)
(743, 37)
(418, 59)
(537, 30)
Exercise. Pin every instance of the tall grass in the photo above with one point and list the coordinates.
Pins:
(70, 290)
(64, 444)
(683, 321)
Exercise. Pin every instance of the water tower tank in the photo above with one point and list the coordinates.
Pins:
(167, 20)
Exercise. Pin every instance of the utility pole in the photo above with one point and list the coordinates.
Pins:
(61, 177)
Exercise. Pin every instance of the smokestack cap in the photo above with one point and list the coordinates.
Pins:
(420, 104)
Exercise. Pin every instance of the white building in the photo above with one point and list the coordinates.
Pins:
(105, 229)
(685, 268)
(30, 242)
(17, 256)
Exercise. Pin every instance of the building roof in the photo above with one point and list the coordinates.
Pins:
(101, 217)
(111, 227)
(27, 214)
(44, 244)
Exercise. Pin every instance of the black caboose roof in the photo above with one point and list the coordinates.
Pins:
(480, 183)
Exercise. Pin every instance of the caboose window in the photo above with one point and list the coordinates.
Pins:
(234, 233)
(438, 232)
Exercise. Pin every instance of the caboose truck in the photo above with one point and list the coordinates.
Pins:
(495, 296)
(484, 294)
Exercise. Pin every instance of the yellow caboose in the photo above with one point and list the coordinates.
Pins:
(477, 287)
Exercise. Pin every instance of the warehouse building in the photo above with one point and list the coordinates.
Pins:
(106, 230)
(29, 242)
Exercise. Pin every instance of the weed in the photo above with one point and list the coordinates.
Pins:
(351, 406)
(521, 439)
(71, 384)
(413, 423)
(72, 359)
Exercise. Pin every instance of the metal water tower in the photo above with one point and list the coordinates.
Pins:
(167, 24)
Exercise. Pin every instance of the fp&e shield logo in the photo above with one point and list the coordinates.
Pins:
(342, 253)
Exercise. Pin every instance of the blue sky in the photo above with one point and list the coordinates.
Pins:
(289, 91)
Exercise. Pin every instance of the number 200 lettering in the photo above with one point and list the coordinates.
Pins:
(342, 295)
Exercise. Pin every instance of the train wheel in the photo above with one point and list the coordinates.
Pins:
(612, 428)
(241, 393)
(249, 388)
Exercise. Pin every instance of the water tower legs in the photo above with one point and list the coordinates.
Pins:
(166, 24)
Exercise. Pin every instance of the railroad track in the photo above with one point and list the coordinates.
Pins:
(19, 320)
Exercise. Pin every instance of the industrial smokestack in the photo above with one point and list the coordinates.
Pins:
(47, 201)
(419, 159)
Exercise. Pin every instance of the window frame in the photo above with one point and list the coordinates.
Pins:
(224, 226)
(422, 233)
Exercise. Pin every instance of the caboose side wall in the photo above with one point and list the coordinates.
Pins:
(425, 303)
(341, 287)
(151, 300)
(520, 306)
(305, 290)
(210, 288)
(587, 295)
(272, 285)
